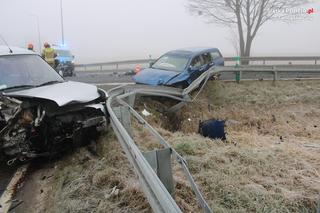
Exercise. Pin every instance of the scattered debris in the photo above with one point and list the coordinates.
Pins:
(231, 122)
(6, 198)
(311, 146)
(213, 129)
(114, 193)
(146, 113)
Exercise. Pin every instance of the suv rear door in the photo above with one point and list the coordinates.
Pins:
(197, 67)
(217, 58)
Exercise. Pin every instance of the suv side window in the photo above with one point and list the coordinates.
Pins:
(215, 55)
(207, 58)
(196, 62)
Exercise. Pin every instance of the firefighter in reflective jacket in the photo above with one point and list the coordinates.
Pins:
(49, 54)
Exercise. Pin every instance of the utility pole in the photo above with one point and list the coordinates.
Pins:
(61, 14)
(38, 29)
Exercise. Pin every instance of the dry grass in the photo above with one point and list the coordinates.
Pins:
(103, 183)
(264, 167)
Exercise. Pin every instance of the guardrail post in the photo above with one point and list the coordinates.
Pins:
(315, 62)
(275, 75)
(123, 115)
(238, 76)
(117, 66)
(160, 161)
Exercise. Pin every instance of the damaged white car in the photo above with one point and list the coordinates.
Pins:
(41, 114)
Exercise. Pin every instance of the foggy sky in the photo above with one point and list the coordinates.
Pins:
(107, 30)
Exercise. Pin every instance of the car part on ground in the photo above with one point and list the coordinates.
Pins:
(213, 129)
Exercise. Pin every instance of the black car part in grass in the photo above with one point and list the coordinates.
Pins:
(213, 129)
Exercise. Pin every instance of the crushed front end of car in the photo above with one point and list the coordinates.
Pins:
(41, 114)
(31, 128)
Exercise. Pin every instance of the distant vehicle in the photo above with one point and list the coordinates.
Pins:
(179, 68)
(41, 114)
(64, 61)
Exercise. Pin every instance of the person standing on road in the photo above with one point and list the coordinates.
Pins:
(49, 54)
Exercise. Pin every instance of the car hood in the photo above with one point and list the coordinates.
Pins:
(61, 93)
(154, 76)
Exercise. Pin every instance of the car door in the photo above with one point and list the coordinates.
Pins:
(197, 66)
(217, 58)
(208, 62)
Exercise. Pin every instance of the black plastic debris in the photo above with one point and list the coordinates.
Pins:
(213, 129)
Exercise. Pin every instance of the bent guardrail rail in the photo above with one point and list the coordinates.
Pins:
(156, 193)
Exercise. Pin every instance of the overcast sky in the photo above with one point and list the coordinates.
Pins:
(107, 30)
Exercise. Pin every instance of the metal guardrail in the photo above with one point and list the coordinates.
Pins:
(115, 64)
(264, 59)
(289, 59)
(156, 193)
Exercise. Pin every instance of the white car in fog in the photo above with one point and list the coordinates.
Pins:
(41, 114)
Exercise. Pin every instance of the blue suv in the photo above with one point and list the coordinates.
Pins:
(64, 61)
(179, 68)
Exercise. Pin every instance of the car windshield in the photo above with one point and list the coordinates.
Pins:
(176, 63)
(25, 70)
(63, 53)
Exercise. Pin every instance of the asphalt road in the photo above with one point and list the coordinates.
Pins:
(101, 77)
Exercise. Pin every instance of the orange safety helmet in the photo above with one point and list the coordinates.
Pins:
(30, 46)
(46, 44)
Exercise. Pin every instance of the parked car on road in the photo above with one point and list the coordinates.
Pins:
(179, 68)
(64, 60)
(41, 114)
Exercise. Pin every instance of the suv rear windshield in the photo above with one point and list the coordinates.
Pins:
(176, 63)
(20, 70)
(63, 53)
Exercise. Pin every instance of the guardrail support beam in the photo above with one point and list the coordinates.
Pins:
(160, 161)
(275, 76)
(124, 116)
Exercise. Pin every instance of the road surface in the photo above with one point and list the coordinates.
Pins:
(114, 77)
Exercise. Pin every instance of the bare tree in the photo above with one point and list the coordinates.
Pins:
(247, 15)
